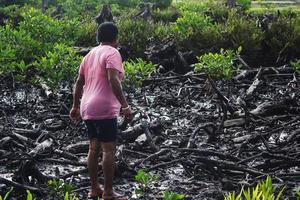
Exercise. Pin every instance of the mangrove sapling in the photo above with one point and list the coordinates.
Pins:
(172, 196)
(29, 195)
(145, 181)
(296, 65)
(297, 193)
(219, 65)
(263, 190)
(70, 197)
(137, 71)
(59, 188)
(7, 194)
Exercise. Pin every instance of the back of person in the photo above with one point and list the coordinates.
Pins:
(98, 100)
(98, 85)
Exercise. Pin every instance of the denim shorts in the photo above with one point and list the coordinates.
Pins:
(105, 130)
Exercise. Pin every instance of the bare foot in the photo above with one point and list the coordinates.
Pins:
(96, 192)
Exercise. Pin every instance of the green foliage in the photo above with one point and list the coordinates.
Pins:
(194, 6)
(218, 65)
(145, 181)
(7, 194)
(86, 34)
(219, 12)
(195, 31)
(135, 34)
(70, 197)
(122, 3)
(61, 189)
(191, 24)
(160, 3)
(58, 65)
(16, 49)
(245, 4)
(34, 42)
(47, 30)
(172, 196)
(283, 38)
(137, 71)
(237, 31)
(15, 2)
(296, 65)
(80, 8)
(297, 193)
(29, 195)
(11, 14)
(166, 15)
(263, 190)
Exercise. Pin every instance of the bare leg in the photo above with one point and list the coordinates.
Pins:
(108, 165)
(92, 162)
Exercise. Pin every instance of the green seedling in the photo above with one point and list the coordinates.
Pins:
(218, 65)
(137, 71)
(296, 65)
(297, 193)
(145, 181)
(7, 194)
(29, 195)
(263, 190)
(59, 188)
(172, 196)
(70, 197)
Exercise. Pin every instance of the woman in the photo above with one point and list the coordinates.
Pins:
(98, 82)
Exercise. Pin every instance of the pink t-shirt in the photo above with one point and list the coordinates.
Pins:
(98, 100)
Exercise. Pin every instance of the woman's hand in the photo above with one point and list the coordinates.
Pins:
(74, 113)
(128, 114)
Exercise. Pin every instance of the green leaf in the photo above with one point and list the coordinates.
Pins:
(29, 195)
(8, 193)
(66, 196)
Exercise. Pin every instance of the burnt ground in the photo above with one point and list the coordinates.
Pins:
(202, 137)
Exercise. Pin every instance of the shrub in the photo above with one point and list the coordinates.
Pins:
(245, 4)
(16, 48)
(163, 31)
(195, 32)
(237, 31)
(48, 30)
(190, 24)
(137, 71)
(86, 34)
(83, 8)
(166, 15)
(11, 14)
(58, 65)
(219, 12)
(135, 34)
(263, 190)
(186, 6)
(122, 3)
(282, 39)
(160, 3)
(15, 2)
(218, 65)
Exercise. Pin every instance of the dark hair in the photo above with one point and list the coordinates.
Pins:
(107, 32)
